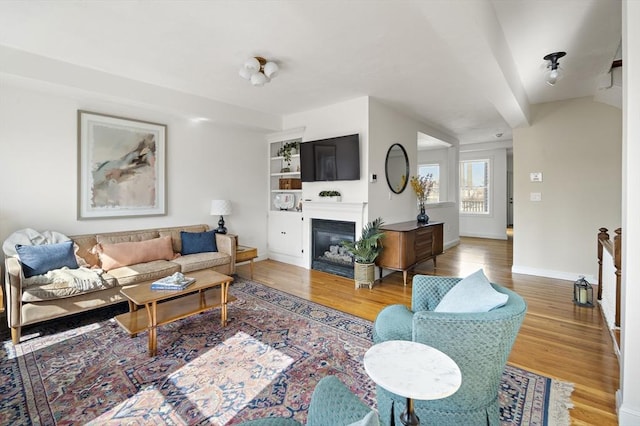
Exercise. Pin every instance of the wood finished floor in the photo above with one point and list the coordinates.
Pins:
(557, 338)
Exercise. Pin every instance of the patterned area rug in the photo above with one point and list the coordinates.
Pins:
(266, 362)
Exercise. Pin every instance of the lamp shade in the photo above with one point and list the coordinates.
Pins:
(220, 207)
(252, 64)
(258, 79)
(270, 69)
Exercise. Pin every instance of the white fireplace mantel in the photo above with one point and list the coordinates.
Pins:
(347, 212)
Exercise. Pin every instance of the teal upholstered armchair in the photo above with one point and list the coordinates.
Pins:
(479, 343)
(332, 403)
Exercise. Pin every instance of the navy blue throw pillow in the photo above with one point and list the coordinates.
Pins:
(198, 242)
(38, 260)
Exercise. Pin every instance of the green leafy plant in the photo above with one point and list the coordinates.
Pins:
(367, 248)
(329, 194)
(286, 149)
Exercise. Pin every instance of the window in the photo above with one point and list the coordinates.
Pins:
(474, 186)
(434, 170)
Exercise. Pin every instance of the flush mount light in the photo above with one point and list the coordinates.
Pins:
(554, 72)
(258, 70)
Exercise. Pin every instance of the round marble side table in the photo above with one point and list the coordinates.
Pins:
(414, 371)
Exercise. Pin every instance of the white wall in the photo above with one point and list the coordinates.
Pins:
(629, 401)
(494, 224)
(386, 127)
(576, 144)
(38, 169)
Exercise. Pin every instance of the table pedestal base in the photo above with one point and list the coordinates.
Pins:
(408, 417)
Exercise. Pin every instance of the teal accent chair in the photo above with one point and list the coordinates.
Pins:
(332, 403)
(479, 343)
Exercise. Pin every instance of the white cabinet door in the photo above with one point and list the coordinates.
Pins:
(285, 233)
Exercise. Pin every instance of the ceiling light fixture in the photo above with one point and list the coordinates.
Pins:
(258, 71)
(554, 72)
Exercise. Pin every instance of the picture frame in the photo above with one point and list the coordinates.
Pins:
(121, 167)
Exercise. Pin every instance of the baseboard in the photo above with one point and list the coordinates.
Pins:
(450, 244)
(548, 273)
(292, 260)
(627, 416)
(489, 236)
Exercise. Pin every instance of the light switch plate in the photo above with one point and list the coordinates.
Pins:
(535, 176)
(536, 196)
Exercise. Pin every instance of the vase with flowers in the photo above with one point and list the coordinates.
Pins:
(422, 186)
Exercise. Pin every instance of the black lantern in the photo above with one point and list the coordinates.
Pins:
(583, 293)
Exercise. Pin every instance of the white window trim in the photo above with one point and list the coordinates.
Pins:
(490, 189)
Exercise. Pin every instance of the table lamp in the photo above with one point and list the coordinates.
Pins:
(222, 208)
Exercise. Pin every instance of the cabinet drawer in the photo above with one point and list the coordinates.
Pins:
(423, 245)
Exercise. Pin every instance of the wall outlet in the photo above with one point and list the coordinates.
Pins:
(373, 178)
(535, 196)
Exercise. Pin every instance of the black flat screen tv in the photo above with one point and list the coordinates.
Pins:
(330, 159)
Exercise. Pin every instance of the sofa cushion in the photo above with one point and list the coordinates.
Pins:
(127, 237)
(60, 283)
(198, 242)
(135, 274)
(40, 259)
(197, 261)
(130, 253)
(174, 233)
(472, 294)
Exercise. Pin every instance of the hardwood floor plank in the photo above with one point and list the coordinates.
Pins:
(557, 339)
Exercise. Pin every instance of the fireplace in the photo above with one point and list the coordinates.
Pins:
(328, 254)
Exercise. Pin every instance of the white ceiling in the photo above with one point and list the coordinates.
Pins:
(470, 68)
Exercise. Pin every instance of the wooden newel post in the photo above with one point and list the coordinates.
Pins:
(617, 262)
(603, 235)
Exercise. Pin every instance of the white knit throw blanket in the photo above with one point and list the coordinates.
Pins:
(81, 278)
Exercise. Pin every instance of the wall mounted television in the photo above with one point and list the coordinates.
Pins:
(330, 159)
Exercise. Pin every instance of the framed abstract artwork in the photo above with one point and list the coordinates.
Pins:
(121, 167)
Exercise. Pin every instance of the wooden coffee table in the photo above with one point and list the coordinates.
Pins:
(166, 306)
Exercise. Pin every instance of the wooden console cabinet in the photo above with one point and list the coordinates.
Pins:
(408, 243)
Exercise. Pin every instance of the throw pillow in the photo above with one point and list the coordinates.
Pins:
(116, 255)
(40, 259)
(472, 294)
(198, 242)
(371, 419)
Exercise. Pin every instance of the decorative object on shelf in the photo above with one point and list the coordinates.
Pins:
(121, 167)
(286, 151)
(290, 183)
(258, 70)
(365, 251)
(422, 186)
(222, 208)
(554, 72)
(330, 195)
(284, 201)
(583, 292)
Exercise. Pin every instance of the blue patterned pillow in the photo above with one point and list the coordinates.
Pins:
(198, 242)
(40, 259)
(472, 294)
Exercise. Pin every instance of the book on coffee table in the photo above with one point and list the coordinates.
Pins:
(176, 281)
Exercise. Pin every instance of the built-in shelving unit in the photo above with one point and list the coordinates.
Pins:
(278, 167)
(284, 237)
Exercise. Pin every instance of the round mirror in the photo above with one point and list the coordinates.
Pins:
(397, 168)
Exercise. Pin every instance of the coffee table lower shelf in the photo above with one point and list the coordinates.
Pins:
(137, 321)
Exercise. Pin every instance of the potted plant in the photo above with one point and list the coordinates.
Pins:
(365, 251)
(330, 195)
(286, 151)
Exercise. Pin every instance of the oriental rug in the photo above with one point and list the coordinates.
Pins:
(266, 362)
